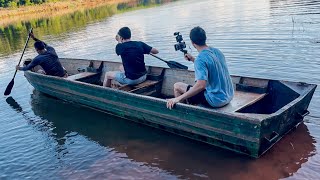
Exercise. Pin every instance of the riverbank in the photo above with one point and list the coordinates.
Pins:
(9, 16)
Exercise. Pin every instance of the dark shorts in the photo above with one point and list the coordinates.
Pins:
(198, 98)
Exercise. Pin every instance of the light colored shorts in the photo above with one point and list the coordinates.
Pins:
(122, 79)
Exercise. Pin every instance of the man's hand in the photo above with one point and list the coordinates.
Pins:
(172, 102)
(17, 67)
(189, 57)
(118, 38)
(32, 35)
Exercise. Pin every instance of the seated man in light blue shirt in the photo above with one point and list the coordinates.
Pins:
(213, 86)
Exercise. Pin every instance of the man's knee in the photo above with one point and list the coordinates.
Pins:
(41, 71)
(110, 75)
(121, 68)
(180, 87)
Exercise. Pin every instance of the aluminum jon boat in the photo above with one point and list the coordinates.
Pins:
(260, 114)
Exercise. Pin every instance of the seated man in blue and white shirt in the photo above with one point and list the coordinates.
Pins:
(213, 87)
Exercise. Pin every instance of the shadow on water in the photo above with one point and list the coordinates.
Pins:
(13, 103)
(180, 156)
(12, 37)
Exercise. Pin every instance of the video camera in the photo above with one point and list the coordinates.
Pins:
(181, 45)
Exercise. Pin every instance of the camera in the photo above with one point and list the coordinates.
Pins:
(181, 44)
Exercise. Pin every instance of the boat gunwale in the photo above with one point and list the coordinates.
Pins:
(250, 117)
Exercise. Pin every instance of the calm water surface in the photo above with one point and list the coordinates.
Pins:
(45, 138)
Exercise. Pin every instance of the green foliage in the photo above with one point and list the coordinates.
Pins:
(12, 4)
(12, 37)
(15, 3)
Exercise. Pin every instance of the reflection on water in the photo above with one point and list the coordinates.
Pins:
(12, 37)
(157, 149)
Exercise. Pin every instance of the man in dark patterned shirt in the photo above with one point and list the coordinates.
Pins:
(47, 59)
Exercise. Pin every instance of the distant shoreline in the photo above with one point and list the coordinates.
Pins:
(12, 15)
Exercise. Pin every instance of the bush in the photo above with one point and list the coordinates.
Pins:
(12, 4)
(15, 3)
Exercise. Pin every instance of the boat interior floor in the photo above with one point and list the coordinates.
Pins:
(242, 99)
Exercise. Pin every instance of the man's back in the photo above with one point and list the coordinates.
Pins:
(211, 66)
(132, 55)
(50, 63)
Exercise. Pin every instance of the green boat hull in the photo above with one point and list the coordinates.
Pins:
(243, 132)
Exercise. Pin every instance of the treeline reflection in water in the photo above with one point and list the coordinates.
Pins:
(12, 37)
(158, 149)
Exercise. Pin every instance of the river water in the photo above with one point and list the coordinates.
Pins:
(46, 138)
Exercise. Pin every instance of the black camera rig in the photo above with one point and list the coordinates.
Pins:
(181, 45)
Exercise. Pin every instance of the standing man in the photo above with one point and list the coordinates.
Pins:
(213, 86)
(47, 59)
(132, 55)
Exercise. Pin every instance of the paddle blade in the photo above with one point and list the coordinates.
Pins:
(9, 88)
(173, 64)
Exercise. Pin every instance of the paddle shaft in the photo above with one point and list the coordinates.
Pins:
(24, 49)
(172, 64)
(159, 58)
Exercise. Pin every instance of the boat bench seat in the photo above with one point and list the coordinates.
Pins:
(80, 76)
(135, 88)
(242, 99)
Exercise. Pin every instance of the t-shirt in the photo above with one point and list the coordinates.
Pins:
(49, 62)
(210, 65)
(132, 55)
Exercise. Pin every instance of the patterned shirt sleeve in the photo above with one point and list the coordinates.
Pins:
(31, 65)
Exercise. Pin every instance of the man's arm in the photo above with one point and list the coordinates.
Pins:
(148, 49)
(31, 65)
(197, 88)
(47, 47)
(201, 74)
(33, 37)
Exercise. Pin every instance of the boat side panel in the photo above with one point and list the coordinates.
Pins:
(275, 127)
(219, 130)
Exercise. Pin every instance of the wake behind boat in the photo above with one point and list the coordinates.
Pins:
(260, 114)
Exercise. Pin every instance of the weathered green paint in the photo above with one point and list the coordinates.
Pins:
(239, 132)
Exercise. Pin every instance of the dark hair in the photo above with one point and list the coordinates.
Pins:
(125, 33)
(39, 45)
(198, 36)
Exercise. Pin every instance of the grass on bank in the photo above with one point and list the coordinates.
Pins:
(9, 15)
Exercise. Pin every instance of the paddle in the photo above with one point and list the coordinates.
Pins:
(172, 64)
(10, 85)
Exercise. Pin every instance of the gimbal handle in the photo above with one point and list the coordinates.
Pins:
(185, 52)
